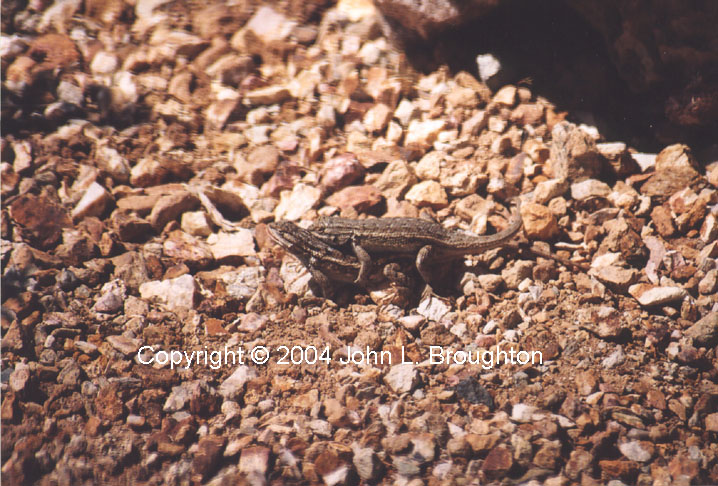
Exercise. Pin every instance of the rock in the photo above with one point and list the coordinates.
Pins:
(268, 96)
(514, 274)
(711, 422)
(189, 250)
(539, 222)
(252, 322)
(614, 359)
(663, 220)
(402, 378)
(254, 461)
(359, 198)
(429, 167)
(170, 207)
(423, 133)
(573, 154)
(638, 451)
(377, 118)
(40, 219)
(177, 293)
(548, 455)
(547, 190)
(341, 171)
(523, 413)
(125, 345)
(208, 455)
(20, 377)
(112, 298)
(650, 295)
(579, 461)
(616, 278)
(196, 223)
(470, 389)
(239, 243)
(491, 283)
(396, 179)
(709, 284)
(427, 193)
(588, 189)
(293, 205)
(676, 157)
(367, 464)
(497, 462)
(620, 158)
(233, 386)
(148, 172)
(704, 332)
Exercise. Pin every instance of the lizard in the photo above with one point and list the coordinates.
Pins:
(327, 263)
(429, 241)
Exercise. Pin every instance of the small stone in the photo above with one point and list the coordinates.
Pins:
(20, 377)
(491, 283)
(360, 198)
(548, 455)
(170, 207)
(268, 96)
(341, 171)
(295, 203)
(539, 222)
(254, 461)
(429, 167)
(196, 223)
(176, 293)
(104, 63)
(516, 273)
(233, 386)
(125, 345)
(547, 190)
(322, 428)
(396, 179)
(402, 378)
(709, 284)
(269, 26)
(498, 462)
(589, 188)
(208, 455)
(676, 157)
(423, 133)
(252, 322)
(523, 413)
(644, 161)
(427, 193)
(711, 421)
(620, 158)
(239, 243)
(614, 359)
(506, 96)
(650, 295)
(377, 118)
(638, 451)
(578, 462)
(616, 278)
(663, 219)
(187, 249)
(704, 332)
(367, 464)
(147, 172)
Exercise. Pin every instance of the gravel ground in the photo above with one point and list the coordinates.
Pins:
(146, 145)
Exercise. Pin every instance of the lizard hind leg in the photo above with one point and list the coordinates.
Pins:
(423, 257)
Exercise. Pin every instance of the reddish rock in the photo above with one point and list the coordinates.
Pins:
(208, 455)
(359, 198)
(40, 219)
(340, 171)
(498, 462)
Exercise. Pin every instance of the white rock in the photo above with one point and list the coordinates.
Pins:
(487, 65)
(234, 384)
(649, 295)
(175, 293)
(236, 244)
(634, 451)
(523, 413)
(196, 223)
(269, 25)
(402, 378)
(113, 162)
(405, 112)
(427, 193)
(589, 188)
(93, 202)
(645, 161)
(295, 203)
(423, 132)
(104, 63)
(547, 190)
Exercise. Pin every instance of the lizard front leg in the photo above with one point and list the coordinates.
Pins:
(422, 260)
(365, 262)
